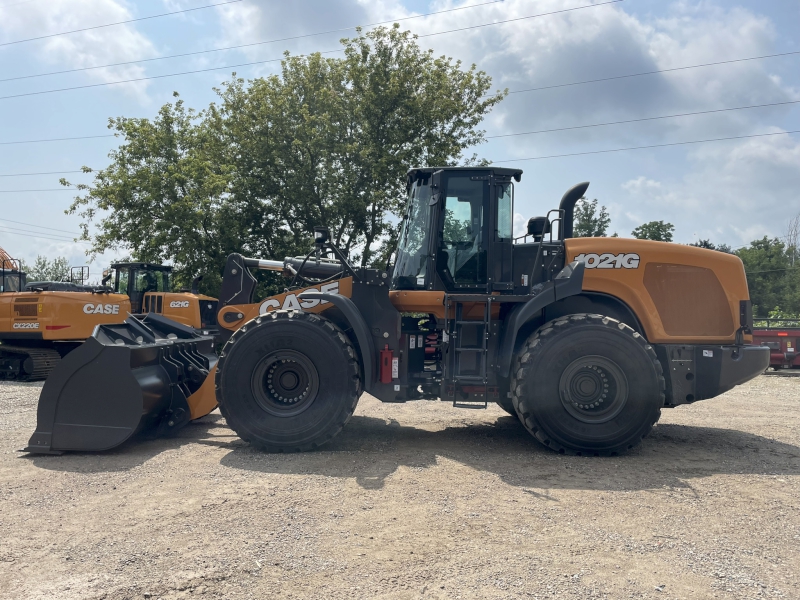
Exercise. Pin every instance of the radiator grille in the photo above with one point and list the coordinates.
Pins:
(153, 304)
(690, 300)
(26, 310)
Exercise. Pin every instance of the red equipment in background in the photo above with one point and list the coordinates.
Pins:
(782, 336)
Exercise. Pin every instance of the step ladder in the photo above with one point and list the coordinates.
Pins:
(470, 347)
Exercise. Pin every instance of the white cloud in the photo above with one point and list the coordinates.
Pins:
(733, 192)
(253, 22)
(106, 45)
(640, 184)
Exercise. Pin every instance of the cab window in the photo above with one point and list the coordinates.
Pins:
(151, 281)
(463, 245)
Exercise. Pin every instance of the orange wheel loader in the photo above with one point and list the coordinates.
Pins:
(585, 341)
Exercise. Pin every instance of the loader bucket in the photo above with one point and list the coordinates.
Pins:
(137, 376)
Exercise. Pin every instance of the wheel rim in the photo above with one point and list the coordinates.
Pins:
(593, 389)
(285, 383)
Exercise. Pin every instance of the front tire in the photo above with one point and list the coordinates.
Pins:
(588, 384)
(288, 381)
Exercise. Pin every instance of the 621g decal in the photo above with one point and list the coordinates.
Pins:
(609, 261)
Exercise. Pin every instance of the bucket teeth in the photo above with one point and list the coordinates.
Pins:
(127, 378)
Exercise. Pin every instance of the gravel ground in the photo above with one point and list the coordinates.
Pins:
(413, 501)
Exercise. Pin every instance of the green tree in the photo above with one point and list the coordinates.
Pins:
(589, 221)
(773, 283)
(329, 141)
(164, 197)
(708, 244)
(790, 319)
(325, 142)
(654, 230)
(44, 269)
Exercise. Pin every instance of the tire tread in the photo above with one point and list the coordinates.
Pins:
(353, 366)
(521, 371)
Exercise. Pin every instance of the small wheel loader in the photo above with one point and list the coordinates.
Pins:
(43, 321)
(585, 341)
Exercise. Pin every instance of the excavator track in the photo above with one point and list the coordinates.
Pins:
(35, 364)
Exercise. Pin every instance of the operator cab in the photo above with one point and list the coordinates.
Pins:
(11, 278)
(11, 281)
(137, 278)
(458, 231)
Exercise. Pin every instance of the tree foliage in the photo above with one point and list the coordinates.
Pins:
(708, 244)
(774, 284)
(654, 230)
(589, 221)
(44, 269)
(325, 142)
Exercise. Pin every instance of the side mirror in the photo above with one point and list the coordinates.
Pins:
(538, 227)
(321, 235)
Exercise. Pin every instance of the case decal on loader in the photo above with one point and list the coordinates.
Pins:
(291, 301)
(101, 309)
(179, 304)
(609, 261)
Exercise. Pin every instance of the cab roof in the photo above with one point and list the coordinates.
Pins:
(417, 172)
(142, 265)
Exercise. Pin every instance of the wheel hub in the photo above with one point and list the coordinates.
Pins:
(593, 389)
(285, 383)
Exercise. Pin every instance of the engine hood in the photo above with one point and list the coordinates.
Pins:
(681, 294)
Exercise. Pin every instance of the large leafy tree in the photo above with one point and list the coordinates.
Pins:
(164, 197)
(589, 220)
(328, 141)
(325, 142)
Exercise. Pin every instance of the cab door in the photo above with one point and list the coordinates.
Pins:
(501, 231)
(463, 241)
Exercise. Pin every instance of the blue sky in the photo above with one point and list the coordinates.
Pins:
(731, 191)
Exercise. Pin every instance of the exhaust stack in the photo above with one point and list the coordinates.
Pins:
(567, 205)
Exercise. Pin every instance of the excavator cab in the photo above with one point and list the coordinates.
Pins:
(12, 279)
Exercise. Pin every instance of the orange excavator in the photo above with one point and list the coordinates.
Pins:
(43, 321)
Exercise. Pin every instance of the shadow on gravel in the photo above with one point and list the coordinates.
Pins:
(370, 450)
(134, 452)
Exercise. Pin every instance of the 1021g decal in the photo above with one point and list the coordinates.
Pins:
(609, 261)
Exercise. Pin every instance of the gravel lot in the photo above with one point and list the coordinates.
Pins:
(413, 501)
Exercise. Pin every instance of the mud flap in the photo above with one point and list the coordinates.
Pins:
(138, 376)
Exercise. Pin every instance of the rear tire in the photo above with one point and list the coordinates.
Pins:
(505, 401)
(588, 384)
(507, 404)
(288, 381)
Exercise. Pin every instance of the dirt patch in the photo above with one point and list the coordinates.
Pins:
(413, 501)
